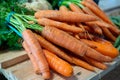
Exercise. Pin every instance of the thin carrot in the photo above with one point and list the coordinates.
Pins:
(82, 63)
(60, 25)
(58, 65)
(32, 58)
(64, 16)
(105, 49)
(37, 52)
(95, 63)
(63, 39)
(49, 46)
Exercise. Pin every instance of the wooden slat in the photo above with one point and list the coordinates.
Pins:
(11, 58)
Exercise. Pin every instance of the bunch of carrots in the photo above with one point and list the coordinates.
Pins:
(57, 39)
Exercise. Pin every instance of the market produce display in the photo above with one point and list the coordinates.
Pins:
(75, 34)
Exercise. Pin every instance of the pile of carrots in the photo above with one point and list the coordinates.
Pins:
(71, 37)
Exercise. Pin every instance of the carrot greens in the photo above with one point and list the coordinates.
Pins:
(8, 36)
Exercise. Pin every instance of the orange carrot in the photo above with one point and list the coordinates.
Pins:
(105, 49)
(95, 63)
(49, 46)
(82, 63)
(63, 39)
(60, 25)
(32, 58)
(58, 65)
(64, 16)
(37, 52)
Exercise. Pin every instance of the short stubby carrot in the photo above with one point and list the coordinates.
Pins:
(58, 65)
(64, 16)
(37, 52)
(60, 25)
(67, 41)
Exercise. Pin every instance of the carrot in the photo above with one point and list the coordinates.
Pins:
(101, 14)
(60, 25)
(105, 49)
(82, 63)
(63, 39)
(49, 46)
(95, 63)
(32, 58)
(58, 65)
(64, 16)
(37, 52)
